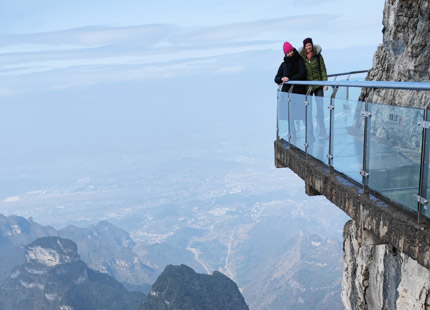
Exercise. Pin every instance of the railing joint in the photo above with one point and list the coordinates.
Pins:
(364, 173)
(366, 114)
(424, 124)
(420, 200)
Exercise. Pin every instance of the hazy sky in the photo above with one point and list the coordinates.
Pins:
(49, 45)
(166, 80)
(161, 77)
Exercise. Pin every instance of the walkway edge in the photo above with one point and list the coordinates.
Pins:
(387, 223)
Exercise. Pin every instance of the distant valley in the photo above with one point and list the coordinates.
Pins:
(251, 223)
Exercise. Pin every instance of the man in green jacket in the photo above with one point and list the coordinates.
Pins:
(316, 71)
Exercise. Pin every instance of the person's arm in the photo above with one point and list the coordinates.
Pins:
(323, 69)
(278, 77)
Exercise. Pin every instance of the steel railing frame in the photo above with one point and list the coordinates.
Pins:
(347, 73)
(366, 144)
(330, 154)
(421, 197)
(290, 90)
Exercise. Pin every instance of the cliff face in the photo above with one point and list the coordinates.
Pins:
(403, 56)
(405, 52)
(377, 276)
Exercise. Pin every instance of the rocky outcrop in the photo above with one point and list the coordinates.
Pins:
(403, 56)
(103, 247)
(109, 249)
(54, 277)
(377, 276)
(180, 287)
(15, 232)
(405, 52)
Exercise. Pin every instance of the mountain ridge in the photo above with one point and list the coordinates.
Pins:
(54, 277)
(180, 287)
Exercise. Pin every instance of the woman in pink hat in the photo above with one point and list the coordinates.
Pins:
(292, 69)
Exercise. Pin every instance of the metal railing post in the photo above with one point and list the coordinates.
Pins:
(366, 144)
(421, 198)
(347, 88)
(331, 131)
(306, 120)
(290, 90)
(277, 111)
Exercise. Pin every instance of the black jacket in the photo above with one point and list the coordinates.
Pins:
(294, 68)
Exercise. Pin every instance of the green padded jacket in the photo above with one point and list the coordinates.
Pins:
(315, 67)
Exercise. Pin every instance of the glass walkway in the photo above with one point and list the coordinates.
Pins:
(382, 147)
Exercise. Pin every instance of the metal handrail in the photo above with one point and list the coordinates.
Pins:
(347, 73)
(367, 84)
(335, 75)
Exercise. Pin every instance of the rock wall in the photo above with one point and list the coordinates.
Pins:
(404, 55)
(405, 52)
(377, 276)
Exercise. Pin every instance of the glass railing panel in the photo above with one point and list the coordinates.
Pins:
(394, 154)
(282, 115)
(349, 93)
(319, 120)
(342, 93)
(297, 117)
(354, 93)
(394, 146)
(348, 138)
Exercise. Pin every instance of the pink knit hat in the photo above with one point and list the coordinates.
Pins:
(287, 47)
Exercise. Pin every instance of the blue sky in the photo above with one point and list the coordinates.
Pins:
(50, 45)
(48, 15)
